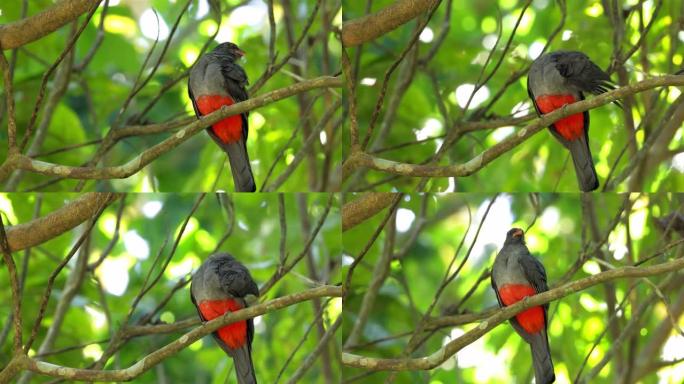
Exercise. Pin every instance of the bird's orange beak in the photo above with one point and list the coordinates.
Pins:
(518, 233)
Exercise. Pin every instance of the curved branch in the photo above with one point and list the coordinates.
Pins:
(19, 161)
(9, 95)
(365, 207)
(24, 31)
(441, 355)
(44, 228)
(369, 27)
(21, 361)
(359, 158)
(15, 287)
(308, 362)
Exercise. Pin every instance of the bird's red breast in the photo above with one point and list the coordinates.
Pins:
(234, 335)
(228, 129)
(570, 127)
(532, 319)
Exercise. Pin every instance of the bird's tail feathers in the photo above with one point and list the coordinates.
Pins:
(239, 166)
(242, 358)
(541, 359)
(584, 164)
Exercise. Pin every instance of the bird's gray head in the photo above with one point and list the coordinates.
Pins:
(230, 50)
(222, 255)
(515, 236)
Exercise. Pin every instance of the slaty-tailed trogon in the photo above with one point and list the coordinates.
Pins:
(223, 284)
(217, 80)
(517, 274)
(559, 78)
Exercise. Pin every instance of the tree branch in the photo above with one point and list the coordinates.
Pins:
(365, 207)
(16, 299)
(380, 273)
(359, 158)
(284, 269)
(40, 230)
(21, 361)
(441, 355)
(24, 31)
(369, 27)
(322, 344)
(396, 199)
(19, 161)
(9, 95)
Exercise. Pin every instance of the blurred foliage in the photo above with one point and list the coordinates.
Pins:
(96, 95)
(540, 163)
(555, 237)
(149, 226)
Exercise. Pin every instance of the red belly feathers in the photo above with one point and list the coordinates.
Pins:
(228, 129)
(531, 319)
(571, 127)
(234, 335)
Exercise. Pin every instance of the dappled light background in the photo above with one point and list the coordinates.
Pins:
(429, 230)
(96, 95)
(416, 116)
(148, 228)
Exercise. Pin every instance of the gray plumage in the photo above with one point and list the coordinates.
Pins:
(587, 179)
(217, 73)
(570, 73)
(222, 277)
(562, 72)
(515, 265)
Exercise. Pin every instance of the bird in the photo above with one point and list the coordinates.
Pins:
(517, 274)
(216, 80)
(559, 78)
(223, 284)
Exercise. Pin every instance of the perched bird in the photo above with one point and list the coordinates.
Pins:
(222, 284)
(517, 274)
(559, 78)
(217, 80)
